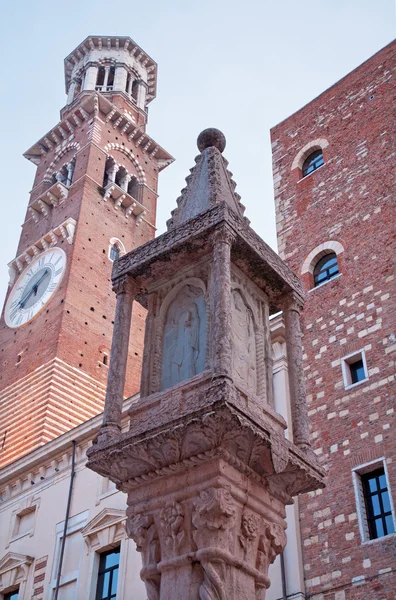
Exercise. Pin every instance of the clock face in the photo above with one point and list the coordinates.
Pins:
(34, 288)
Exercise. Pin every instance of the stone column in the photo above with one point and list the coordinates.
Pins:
(130, 83)
(106, 78)
(221, 341)
(125, 182)
(125, 289)
(70, 171)
(90, 77)
(268, 362)
(292, 310)
(112, 171)
(141, 95)
(120, 78)
(72, 89)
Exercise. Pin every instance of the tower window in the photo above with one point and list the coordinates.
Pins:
(12, 595)
(108, 575)
(377, 504)
(100, 78)
(326, 268)
(110, 80)
(313, 162)
(114, 252)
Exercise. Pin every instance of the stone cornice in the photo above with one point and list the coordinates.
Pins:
(63, 132)
(222, 432)
(265, 264)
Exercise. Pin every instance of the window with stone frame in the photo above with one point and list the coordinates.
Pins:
(109, 564)
(354, 368)
(374, 501)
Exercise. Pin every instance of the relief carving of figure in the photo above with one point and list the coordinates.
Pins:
(243, 343)
(184, 346)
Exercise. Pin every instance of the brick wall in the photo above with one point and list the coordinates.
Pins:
(349, 200)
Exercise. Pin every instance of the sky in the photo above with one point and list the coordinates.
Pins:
(239, 66)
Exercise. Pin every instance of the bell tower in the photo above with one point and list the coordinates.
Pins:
(93, 199)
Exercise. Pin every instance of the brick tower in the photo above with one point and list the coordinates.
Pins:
(93, 198)
(335, 219)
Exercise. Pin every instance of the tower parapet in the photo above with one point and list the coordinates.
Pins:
(115, 66)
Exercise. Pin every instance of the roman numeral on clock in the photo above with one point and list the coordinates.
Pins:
(58, 272)
(51, 288)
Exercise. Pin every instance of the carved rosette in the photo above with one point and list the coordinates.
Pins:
(172, 523)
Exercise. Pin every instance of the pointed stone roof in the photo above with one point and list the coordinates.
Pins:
(209, 183)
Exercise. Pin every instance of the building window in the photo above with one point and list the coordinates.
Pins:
(313, 162)
(354, 368)
(377, 502)
(108, 575)
(114, 252)
(12, 595)
(326, 268)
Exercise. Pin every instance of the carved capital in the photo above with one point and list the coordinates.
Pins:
(293, 301)
(172, 522)
(124, 285)
(223, 235)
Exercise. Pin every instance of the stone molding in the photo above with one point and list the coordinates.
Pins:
(64, 231)
(105, 529)
(222, 431)
(272, 272)
(319, 143)
(317, 253)
(14, 570)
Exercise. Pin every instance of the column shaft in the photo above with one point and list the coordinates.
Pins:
(222, 343)
(296, 373)
(125, 289)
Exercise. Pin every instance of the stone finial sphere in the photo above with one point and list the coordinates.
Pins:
(211, 137)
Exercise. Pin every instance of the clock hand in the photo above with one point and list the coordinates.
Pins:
(34, 289)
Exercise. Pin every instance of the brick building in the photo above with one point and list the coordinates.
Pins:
(335, 201)
(93, 198)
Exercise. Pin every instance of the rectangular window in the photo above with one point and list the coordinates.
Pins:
(12, 595)
(374, 501)
(354, 368)
(376, 495)
(108, 575)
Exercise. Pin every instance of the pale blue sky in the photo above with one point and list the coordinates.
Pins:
(238, 66)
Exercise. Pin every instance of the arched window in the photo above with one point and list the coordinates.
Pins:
(116, 249)
(313, 162)
(114, 252)
(326, 268)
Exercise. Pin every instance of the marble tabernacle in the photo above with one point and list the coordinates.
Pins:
(206, 464)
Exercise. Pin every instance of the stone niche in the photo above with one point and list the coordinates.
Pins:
(180, 332)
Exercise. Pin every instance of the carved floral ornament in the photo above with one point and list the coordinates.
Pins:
(206, 537)
(259, 454)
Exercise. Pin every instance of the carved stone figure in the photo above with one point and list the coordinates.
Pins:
(172, 519)
(184, 346)
(244, 343)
